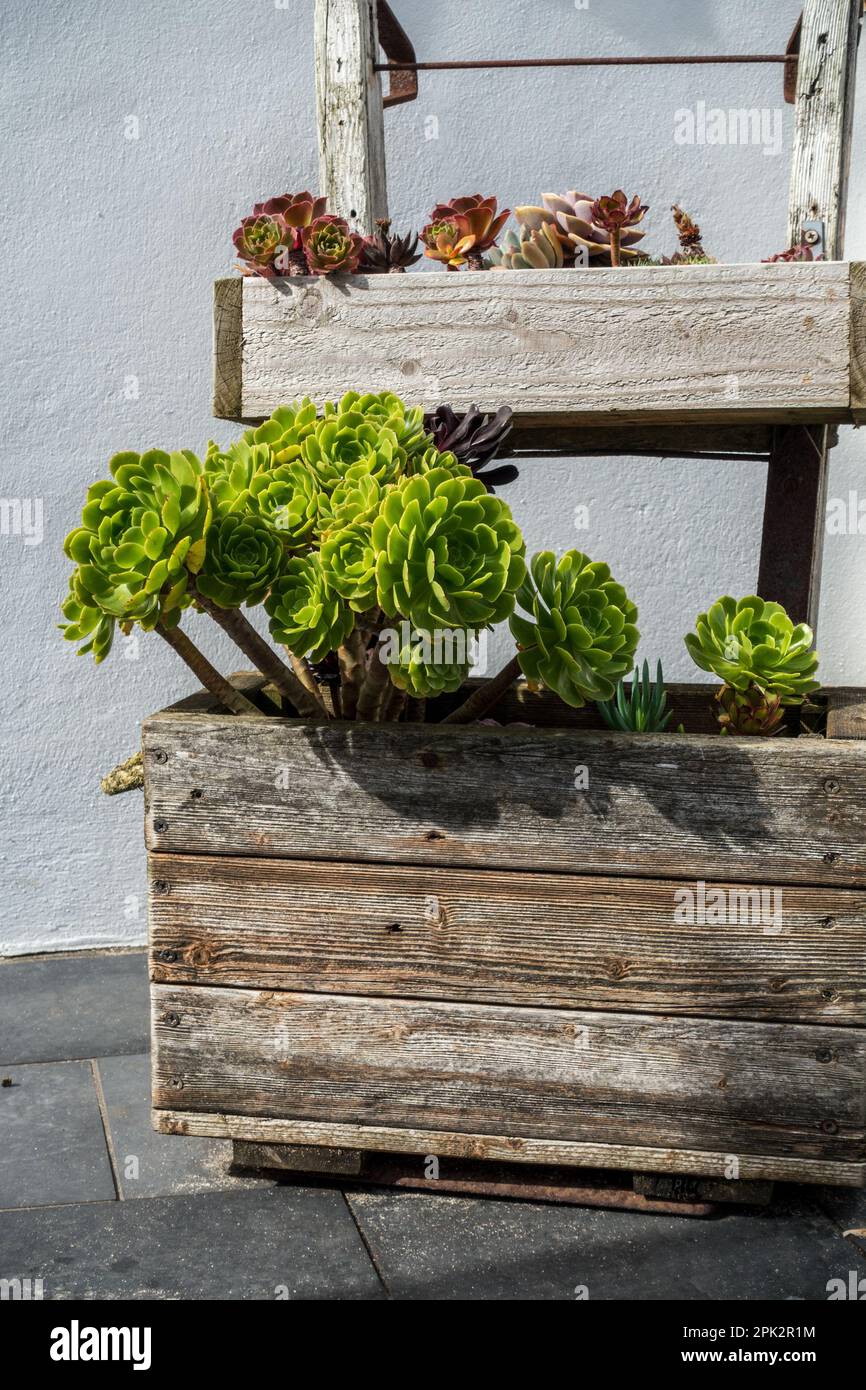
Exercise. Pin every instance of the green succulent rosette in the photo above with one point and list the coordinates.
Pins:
(751, 641)
(341, 443)
(86, 623)
(580, 636)
(244, 480)
(412, 670)
(284, 432)
(349, 564)
(244, 558)
(356, 499)
(306, 615)
(448, 552)
(142, 532)
(385, 411)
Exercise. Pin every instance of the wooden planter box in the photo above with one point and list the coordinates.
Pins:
(569, 347)
(438, 940)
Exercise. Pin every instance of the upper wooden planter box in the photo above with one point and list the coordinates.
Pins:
(659, 344)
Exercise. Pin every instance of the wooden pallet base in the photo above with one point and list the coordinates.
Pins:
(647, 1192)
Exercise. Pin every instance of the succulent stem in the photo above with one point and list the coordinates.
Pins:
(351, 658)
(244, 635)
(375, 687)
(485, 697)
(208, 675)
(615, 235)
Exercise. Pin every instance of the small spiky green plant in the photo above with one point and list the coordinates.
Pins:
(644, 709)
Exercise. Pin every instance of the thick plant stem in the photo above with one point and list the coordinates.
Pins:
(374, 689)
(416, 712)
(304, 675)
(485, 696)
(208, 675)
(351, 659)
(393, 705)
(265, 659)
(615, 242)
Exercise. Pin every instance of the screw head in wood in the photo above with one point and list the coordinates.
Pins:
(830, 857)
(824, 1055)
(160, 885)
(176, 1083)
(168, 956)
(160, 755)
(172, 1020)
(829, 1127)
(831, 785)
(160, 827)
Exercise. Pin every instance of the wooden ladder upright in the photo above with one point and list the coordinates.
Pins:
(352, 172)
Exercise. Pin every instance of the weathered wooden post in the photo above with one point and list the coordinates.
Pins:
(793, 534)
(349, 108)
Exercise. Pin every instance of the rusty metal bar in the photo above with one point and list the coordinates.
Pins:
(486, 63)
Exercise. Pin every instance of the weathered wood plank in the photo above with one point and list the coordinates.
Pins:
(823, 117)
(846, 713)
(534, 437)
(792, 535)
(502, 1148)
(585, 347)
(349, 108)
(227, 347)
(661, 805)
(545, 1073)
(477, 936)
(858, 342)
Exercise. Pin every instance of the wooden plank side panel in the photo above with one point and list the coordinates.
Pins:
(478, 936)
(680, 806)
(537, 340)
(498, 1148)
(543, 1073)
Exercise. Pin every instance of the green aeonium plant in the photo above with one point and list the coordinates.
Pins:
(766, 661)
(378, 556)
(579, 636)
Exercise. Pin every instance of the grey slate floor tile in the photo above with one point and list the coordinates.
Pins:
(53, 1145)
(74, 1006)
(429, 1247)
(151, 1164)
(296, 1243)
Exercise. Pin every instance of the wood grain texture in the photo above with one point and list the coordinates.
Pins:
(349, 109)
(823, 118)
(543, 1073)
(858, 342)
(227, 347)
(504, 1148)
(477, 936)
(682, 806)
(582, 347)
(792, 535)
(846, 713)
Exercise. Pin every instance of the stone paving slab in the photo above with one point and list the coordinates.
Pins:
(279, 1242)
(73, 1006)
(158, 1165)
(429, 1247)
(52, 1143)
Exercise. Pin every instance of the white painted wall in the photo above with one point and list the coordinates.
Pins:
(112, 244)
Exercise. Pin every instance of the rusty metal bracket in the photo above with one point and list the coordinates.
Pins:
(792, 63)
(397, 47)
